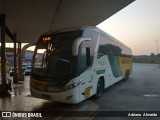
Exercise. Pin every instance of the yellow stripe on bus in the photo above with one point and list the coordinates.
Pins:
(125, 63)
(39, 83)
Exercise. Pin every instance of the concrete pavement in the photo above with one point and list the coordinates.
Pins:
(140, 93)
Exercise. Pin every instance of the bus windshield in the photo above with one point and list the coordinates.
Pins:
(53, 59)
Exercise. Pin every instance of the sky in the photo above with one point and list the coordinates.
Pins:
(137, 26)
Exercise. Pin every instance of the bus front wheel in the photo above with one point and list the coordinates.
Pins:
(100, 88)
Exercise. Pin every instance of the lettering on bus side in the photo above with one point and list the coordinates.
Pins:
(87, 91)
(100, 72)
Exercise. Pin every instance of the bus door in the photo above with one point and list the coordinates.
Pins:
(86, 85)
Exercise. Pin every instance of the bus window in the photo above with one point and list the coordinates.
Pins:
(108, 47)
(39, 58)
(84, 55)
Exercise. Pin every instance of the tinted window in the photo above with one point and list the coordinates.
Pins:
(108, 47)
(53, 57)
(94, 36)
(85, 58)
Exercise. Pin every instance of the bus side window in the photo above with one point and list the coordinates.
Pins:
(88, 56)
(101, 51)
(84, 58)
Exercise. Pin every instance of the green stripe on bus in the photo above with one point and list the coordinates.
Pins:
(100, 72)
(115, 65)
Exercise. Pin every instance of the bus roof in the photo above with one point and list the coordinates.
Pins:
(92, 28)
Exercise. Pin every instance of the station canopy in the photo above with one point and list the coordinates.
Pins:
(30, 18)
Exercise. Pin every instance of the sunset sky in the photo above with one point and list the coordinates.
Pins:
(137, 26)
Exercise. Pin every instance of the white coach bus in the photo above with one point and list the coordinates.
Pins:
(73, 65)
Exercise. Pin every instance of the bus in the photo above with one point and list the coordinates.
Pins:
(72, 65)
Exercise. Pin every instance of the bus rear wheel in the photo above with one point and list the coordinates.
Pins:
(127, 75)
(100, 88)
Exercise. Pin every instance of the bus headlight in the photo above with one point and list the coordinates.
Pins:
(71, 86)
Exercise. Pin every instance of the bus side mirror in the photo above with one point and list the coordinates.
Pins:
(76, 44)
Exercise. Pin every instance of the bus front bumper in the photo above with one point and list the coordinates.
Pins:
(69, 96)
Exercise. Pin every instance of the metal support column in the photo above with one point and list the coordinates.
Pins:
(19, 58)
(15, 78)
(20, 75)
(3, 86)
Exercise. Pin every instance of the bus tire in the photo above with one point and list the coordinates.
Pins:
(100, 88)
(127, 75)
